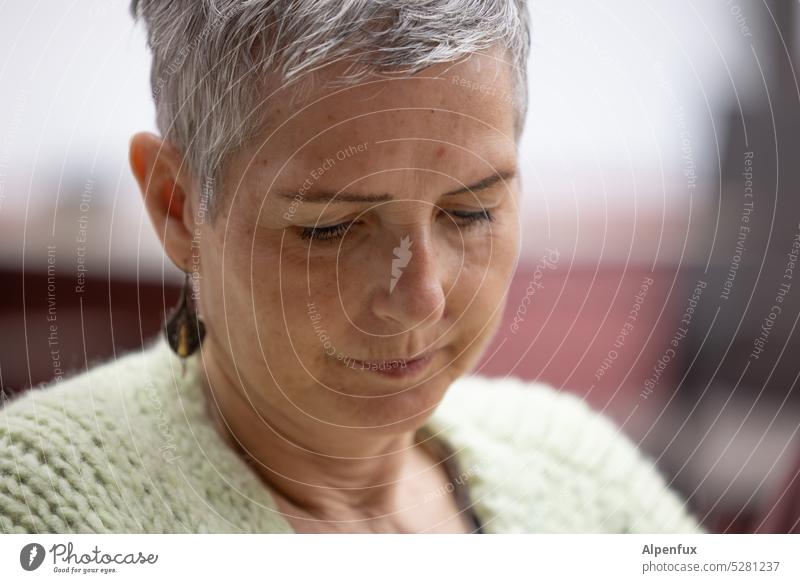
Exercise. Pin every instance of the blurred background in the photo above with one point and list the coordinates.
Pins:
(661, 221)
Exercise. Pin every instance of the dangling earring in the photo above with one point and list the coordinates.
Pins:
(185, 329)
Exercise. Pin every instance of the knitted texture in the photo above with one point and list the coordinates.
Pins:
(129, 447)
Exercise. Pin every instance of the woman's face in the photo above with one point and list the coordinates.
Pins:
(348, 234)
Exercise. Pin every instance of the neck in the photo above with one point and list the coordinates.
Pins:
(315, 469)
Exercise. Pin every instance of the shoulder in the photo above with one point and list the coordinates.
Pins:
(558, 464)
(126, 447)
(524, 413)
(123, 388)
(64, 447)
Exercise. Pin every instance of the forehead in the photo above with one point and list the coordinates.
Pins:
(451, 119)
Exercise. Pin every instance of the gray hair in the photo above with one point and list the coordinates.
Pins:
(216, 61)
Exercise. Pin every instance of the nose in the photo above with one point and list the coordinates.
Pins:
(412, 292)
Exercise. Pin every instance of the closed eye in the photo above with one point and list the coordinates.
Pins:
(469, 217)
(325, 233)
(334, 232)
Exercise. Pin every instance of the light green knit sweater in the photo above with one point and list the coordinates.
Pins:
(129, 447)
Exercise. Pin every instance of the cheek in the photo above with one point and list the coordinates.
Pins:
(310, 284)
(242, 294)
(479, 293)
(299, 306)
(489, 258)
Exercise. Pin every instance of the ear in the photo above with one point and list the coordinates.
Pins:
(166, 190)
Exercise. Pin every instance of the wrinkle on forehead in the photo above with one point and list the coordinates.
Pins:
(426, 124)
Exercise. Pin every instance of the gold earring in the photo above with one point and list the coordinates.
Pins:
(184, 328)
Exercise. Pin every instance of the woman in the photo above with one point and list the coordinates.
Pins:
(339, 183)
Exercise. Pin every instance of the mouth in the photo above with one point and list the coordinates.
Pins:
(395, 368)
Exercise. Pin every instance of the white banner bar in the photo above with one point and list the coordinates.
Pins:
(400, 558)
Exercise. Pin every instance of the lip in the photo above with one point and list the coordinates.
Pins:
(396, 368)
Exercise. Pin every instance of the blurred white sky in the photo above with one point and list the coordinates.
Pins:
(601, 142)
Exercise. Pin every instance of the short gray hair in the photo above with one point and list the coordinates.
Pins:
(214, 60)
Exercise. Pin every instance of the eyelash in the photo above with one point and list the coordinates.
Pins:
(325, 233)
(333, 232)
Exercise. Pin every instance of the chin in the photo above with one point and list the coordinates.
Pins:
(398, 409)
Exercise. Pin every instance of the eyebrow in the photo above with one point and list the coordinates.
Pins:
(331, 197)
